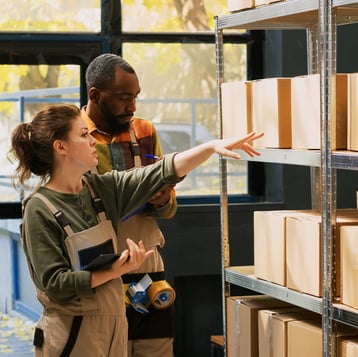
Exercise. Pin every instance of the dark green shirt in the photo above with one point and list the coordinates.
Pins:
(43, 237)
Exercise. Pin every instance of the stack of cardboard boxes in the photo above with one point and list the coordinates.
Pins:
(288, 111)
(261, 326)
(287, 250)
(242, 323)
(287, 246)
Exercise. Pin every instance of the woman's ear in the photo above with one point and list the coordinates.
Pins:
(59, 147)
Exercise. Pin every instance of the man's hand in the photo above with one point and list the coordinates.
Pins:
(162, 197)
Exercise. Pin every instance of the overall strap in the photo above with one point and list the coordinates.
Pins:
(59, 215)
(77, 320)
(135, 149)
(75, 329)
(97, 202)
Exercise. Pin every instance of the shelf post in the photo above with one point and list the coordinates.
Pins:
(224, 226)
(327, 45)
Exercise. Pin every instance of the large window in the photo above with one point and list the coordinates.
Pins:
(178, 92)
(171, 16)
(50, 16)
(171, 45)
(25, 90)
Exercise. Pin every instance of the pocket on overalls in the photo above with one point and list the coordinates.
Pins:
(53, 331)
(92, 242)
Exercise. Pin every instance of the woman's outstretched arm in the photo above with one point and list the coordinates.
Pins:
(188, 160)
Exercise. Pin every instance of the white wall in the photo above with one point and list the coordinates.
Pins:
(27, 302)
(6, 275)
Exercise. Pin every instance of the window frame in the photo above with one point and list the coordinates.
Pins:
(80, 49)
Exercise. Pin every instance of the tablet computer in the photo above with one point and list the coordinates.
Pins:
(102, 261)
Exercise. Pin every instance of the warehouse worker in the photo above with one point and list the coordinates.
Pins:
(71, 219)
(125, 141)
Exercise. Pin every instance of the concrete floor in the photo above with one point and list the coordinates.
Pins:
(16, 336)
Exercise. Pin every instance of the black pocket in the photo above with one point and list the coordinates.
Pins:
(38, 337)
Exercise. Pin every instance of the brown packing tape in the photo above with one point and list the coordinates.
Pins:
(161, 294)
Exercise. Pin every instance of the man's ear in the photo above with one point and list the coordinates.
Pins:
(59, 147)
(93, 94)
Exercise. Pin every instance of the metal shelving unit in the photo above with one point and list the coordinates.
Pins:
(347, 160)
(291, 14)
(244, 276)
(320, 19)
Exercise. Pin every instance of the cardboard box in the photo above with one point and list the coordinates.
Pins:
(273, 327)
(270, 244)
(349, 266)
(352, 130)
(305, 337)
(306, 119)
(271, 112)
(348, 347)
(303, 251)
(237, 5)
(264, 2)
(236, 108)
(242, 323)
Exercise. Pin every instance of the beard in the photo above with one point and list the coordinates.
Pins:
(116, 124)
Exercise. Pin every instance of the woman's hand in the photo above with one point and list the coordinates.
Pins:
(130, 259)
(133, 257)
(225, 147)
(188, 160)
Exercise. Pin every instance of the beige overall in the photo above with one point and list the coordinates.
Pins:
(158, 327)
(92, 326)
